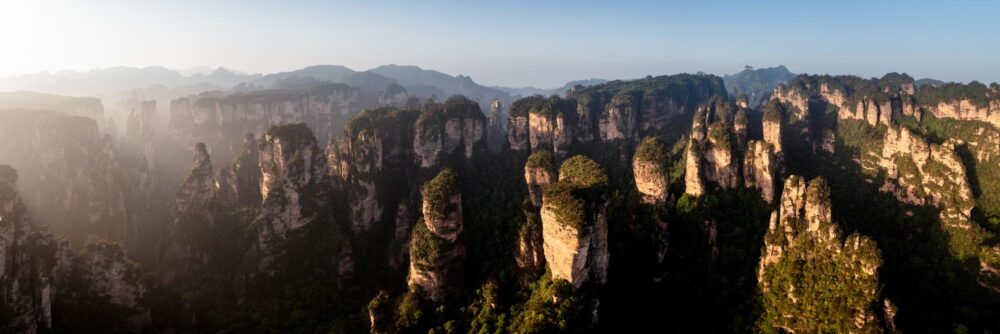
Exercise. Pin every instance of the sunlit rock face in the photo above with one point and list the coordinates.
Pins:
(539, 173)
(922, 173)
(712, 148)
(760, 168)
(802, 244)
(873, 101)
(574, 223)
(220, 120)
(294, 187)
(441, 130)
(614, 111)
(435, 249)
(70, 175)
(650, 165)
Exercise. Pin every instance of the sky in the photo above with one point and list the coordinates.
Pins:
(511, 43)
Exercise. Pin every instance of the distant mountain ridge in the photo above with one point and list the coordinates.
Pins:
(756, 83)
(530, 90)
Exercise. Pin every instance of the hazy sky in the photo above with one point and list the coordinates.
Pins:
(513, 43)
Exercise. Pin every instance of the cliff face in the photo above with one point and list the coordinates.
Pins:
(103, 269)
(39, 273)
(27, 263)
(441, 130)
(140, 136)
(220, 120)
(73, 106)
(650, 165)
(760, 168)
(712, 153)
(496, 125)
(238, 182)
(574, 223)
(802, 244)
(377, 148)
(70, 174)
(294, 187)
(435, 251)
(539, 173)
(616, 110)
(875, 101)
(922, 173)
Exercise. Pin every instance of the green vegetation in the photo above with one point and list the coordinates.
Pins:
(774, 112)
(425, 247)
(974, 92)
(552, 308)
(568, 202)
(828, 296)
(437, 193)
(543, 159)
(652, 149)
(583, 172)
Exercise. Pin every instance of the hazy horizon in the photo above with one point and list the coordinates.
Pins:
(513, 44)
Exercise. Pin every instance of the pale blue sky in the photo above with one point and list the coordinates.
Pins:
(513, 43)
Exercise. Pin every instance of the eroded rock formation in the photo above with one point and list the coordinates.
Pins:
(574, 223)
(435, 251)
(712, 153)
(294, 188)
(805, 264)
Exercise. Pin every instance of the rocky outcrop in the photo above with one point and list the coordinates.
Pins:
(968, 102)
(104, 271)
(198, 188)
(73, 106)
(220, 120)
(294, 188)
(921, 173)
(760, 168)
(773, 122)
(27, 263)
(496, 124)
(435, 251)
(874, 101)
(612, 111)
(712, 153)
(574, 223)
(802, 244)
(70, 176)
(539, 173)
(140, 136)
(39, 273)
(518, 130)
(441, 129)
(651, 167)
(376, 149)
(238, 182)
